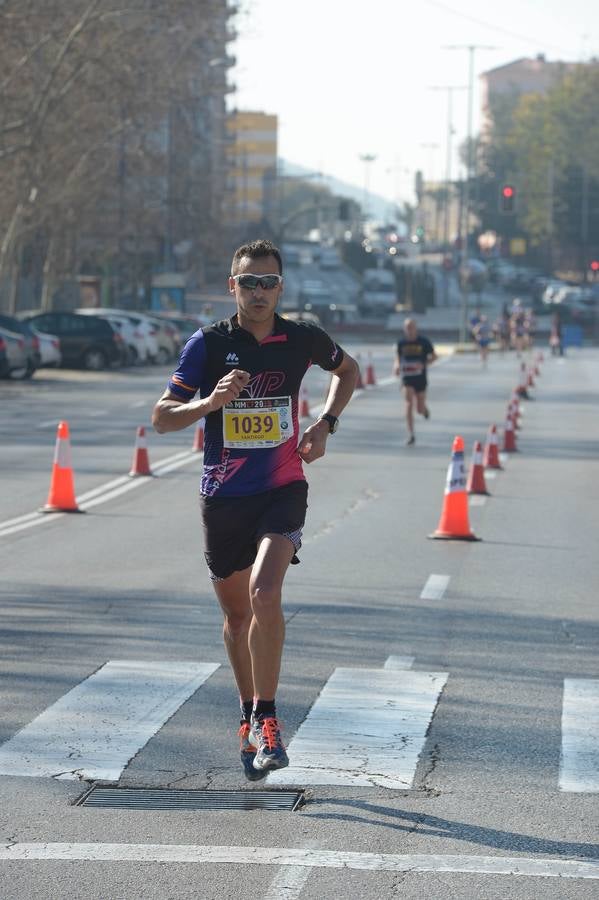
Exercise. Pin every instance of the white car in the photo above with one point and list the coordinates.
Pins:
(132, 335)
(137, 335)
(50, 354)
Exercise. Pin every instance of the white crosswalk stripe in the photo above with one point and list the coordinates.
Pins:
(579, 766)
(96, 728)
(367, 727)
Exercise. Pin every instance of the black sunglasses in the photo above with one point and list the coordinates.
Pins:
(251, 282)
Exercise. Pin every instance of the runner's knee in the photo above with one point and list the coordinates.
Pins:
(237, 624)
(265, 597)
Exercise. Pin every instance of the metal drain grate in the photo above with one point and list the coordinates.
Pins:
(150, 798)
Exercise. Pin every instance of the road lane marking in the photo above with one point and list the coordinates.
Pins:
(97, 727)
(101, 494)
(579, 763)
(518, 866)
(435, 587)
(367, 727)
(290, 881)
(399, 662)
(490, 475)
(138, 404)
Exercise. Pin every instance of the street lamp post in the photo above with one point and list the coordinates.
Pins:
(465, 213)
(449, 89)
(367, 159)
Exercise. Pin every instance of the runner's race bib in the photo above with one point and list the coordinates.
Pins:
(411, 368)
(257, 423)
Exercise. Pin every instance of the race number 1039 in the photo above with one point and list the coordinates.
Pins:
(249, 423)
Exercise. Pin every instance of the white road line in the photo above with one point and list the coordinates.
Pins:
(435, 587)
(101, 494)
(41, 519)
(290, 881)
(490, 474)
(138, 404)
(579, 763)
(367, 727)
(399, 662)
(518, 866)
(96, 728)
(94, 413)
(503, 458)
(49, 424)
(477, 499)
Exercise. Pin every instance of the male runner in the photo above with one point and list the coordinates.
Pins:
(414, 352)
(248, 371)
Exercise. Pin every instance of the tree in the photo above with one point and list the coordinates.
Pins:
(87, 90)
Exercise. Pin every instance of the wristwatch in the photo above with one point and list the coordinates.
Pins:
(333, 422)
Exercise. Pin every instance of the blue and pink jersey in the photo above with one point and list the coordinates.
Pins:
(236, 460)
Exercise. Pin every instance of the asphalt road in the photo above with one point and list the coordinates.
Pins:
(485, 815)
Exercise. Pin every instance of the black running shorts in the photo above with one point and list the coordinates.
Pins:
(233, 526)
(418, 382)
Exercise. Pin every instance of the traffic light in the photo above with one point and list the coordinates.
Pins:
(594, 266)
(507, 199)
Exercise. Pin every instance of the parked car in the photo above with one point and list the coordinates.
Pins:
(163, 340)
(87, 341)
(13, 354)
(50, 354)
(186, 324)
(31, 344)
(134, 343)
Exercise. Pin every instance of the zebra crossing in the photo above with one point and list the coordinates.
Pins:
(368, 726)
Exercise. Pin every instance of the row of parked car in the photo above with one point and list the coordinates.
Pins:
(92, 339)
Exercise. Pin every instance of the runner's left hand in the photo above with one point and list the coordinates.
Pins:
(314, 441)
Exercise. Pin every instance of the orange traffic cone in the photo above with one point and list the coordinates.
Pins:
(141, 462)
(61, 497)
(491, 455)
(304, 412)
(359, 381)
(509, 436)
(454, 524)
(198, 438)
(476, 477)
(370, 376)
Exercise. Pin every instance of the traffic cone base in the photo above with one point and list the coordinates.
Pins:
(61, 496)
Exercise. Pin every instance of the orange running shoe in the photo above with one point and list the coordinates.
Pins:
(247, 752)
(266, 736)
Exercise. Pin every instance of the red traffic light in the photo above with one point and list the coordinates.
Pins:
(595, 265)
(507, 190)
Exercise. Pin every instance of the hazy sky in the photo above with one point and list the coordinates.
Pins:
(349, 78)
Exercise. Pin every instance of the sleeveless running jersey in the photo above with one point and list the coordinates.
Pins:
(250, 446)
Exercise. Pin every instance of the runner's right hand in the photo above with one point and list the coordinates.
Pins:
(228, 388)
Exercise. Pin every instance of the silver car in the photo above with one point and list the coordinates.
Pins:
(13, 354)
